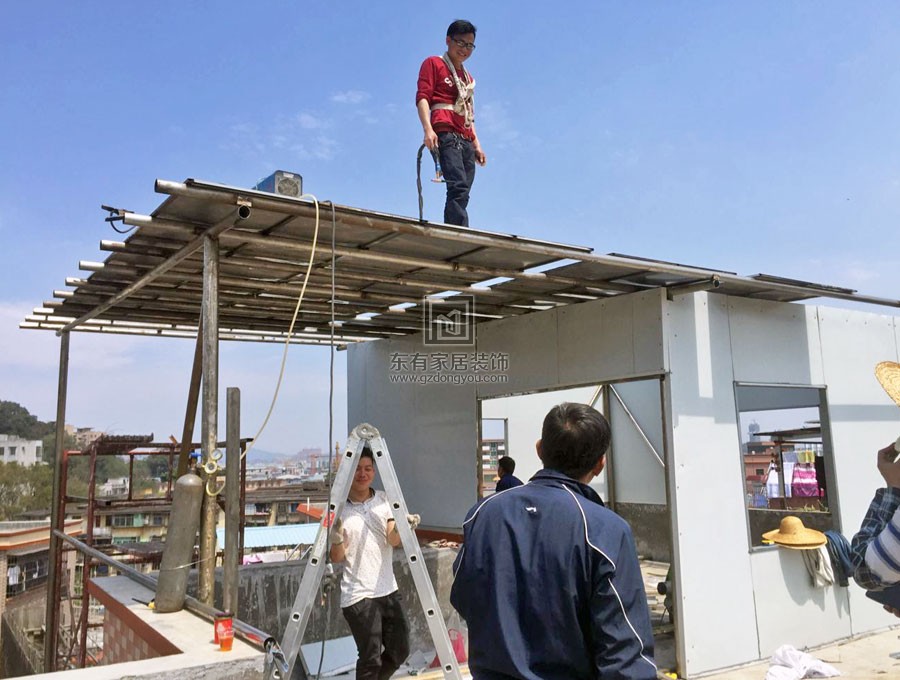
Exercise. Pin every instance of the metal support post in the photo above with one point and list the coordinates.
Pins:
(233, 505)
(57, 513)
(190, 411)
(210, 315)
(306, 598)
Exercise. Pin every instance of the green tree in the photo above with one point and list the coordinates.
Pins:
(24, 488)
(49, 445)
(15, 419)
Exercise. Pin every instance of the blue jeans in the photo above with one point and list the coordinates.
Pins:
(458, 165)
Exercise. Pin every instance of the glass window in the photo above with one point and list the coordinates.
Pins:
(786, 457)
(123, 521)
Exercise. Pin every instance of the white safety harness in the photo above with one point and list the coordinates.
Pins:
(465, 95)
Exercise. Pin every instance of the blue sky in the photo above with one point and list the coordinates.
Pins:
(750, 137)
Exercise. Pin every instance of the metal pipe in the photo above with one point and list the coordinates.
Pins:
(233, 507)
(279, 244)
(710, 283)
(242, 213)
(57, 513)
(300, 206)
(190, 410)
(86, 566)
(637, 426)
(561, 251)
(151, 254)
(209, 421)
(243, 499)
(243, 630)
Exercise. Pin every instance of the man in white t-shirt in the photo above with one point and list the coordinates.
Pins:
(363, 539)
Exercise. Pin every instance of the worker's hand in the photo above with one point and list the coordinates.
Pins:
(337, 532)
(887, 466)
(891, 610)
(431, 140)
(413, 521)
(480, 158)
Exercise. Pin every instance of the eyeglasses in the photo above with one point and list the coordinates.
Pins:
(462, 43)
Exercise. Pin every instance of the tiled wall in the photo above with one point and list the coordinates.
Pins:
(121, 643)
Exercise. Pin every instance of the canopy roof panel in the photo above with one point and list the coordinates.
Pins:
(380, 266)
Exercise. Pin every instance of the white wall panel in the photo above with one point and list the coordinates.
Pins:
(611, 338)
(639, 477)
(775, 342)
(713, 577)
(431, 431)
(863, 420)
(804, 616)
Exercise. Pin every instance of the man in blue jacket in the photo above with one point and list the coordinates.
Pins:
(548, 579)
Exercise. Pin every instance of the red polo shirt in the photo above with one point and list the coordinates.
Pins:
(436, 86)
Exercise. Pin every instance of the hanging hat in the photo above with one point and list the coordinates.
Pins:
(888, 374)
(792, 534)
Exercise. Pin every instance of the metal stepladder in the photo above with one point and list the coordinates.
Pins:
(287, 662)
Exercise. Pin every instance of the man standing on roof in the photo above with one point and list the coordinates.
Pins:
(446, 105)
(364, 538)
(548, 579)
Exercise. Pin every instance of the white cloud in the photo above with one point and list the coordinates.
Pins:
(301, 137)
(350, 97)
(307, 121)
(495, 126)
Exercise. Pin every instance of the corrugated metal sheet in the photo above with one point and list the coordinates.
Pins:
(288, 535)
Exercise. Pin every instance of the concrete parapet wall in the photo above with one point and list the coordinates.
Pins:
(651, 527)
(267, 593)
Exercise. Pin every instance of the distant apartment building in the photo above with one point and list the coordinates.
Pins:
(83, 436)
(491, 451)
(114, 486)
(25, 452)
(133, 524)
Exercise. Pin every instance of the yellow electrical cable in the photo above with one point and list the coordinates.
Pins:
(211, 466)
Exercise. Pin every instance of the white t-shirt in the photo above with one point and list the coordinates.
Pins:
(368, 562)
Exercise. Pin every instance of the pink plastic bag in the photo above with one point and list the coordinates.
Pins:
(459, 639)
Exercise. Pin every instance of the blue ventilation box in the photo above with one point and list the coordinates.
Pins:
(282, 183)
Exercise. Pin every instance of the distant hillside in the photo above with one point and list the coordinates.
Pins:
(16, 420)
(263, 457)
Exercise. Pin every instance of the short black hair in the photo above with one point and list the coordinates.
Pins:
(573, 439)
(367, 453)
(507, 464)
(461, 27)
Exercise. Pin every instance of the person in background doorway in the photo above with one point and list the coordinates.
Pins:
(505, 468)
(445, 100)
(548, 579)
(363, 538)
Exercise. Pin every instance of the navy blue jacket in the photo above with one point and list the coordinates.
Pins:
(549, 584)
(508, 481)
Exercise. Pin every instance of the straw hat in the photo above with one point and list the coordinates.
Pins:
(888, 374)
(792, 534)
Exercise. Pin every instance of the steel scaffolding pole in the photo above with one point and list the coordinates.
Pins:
(57, 513)
(210, 379)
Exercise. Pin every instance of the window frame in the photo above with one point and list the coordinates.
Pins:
(832, 500)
